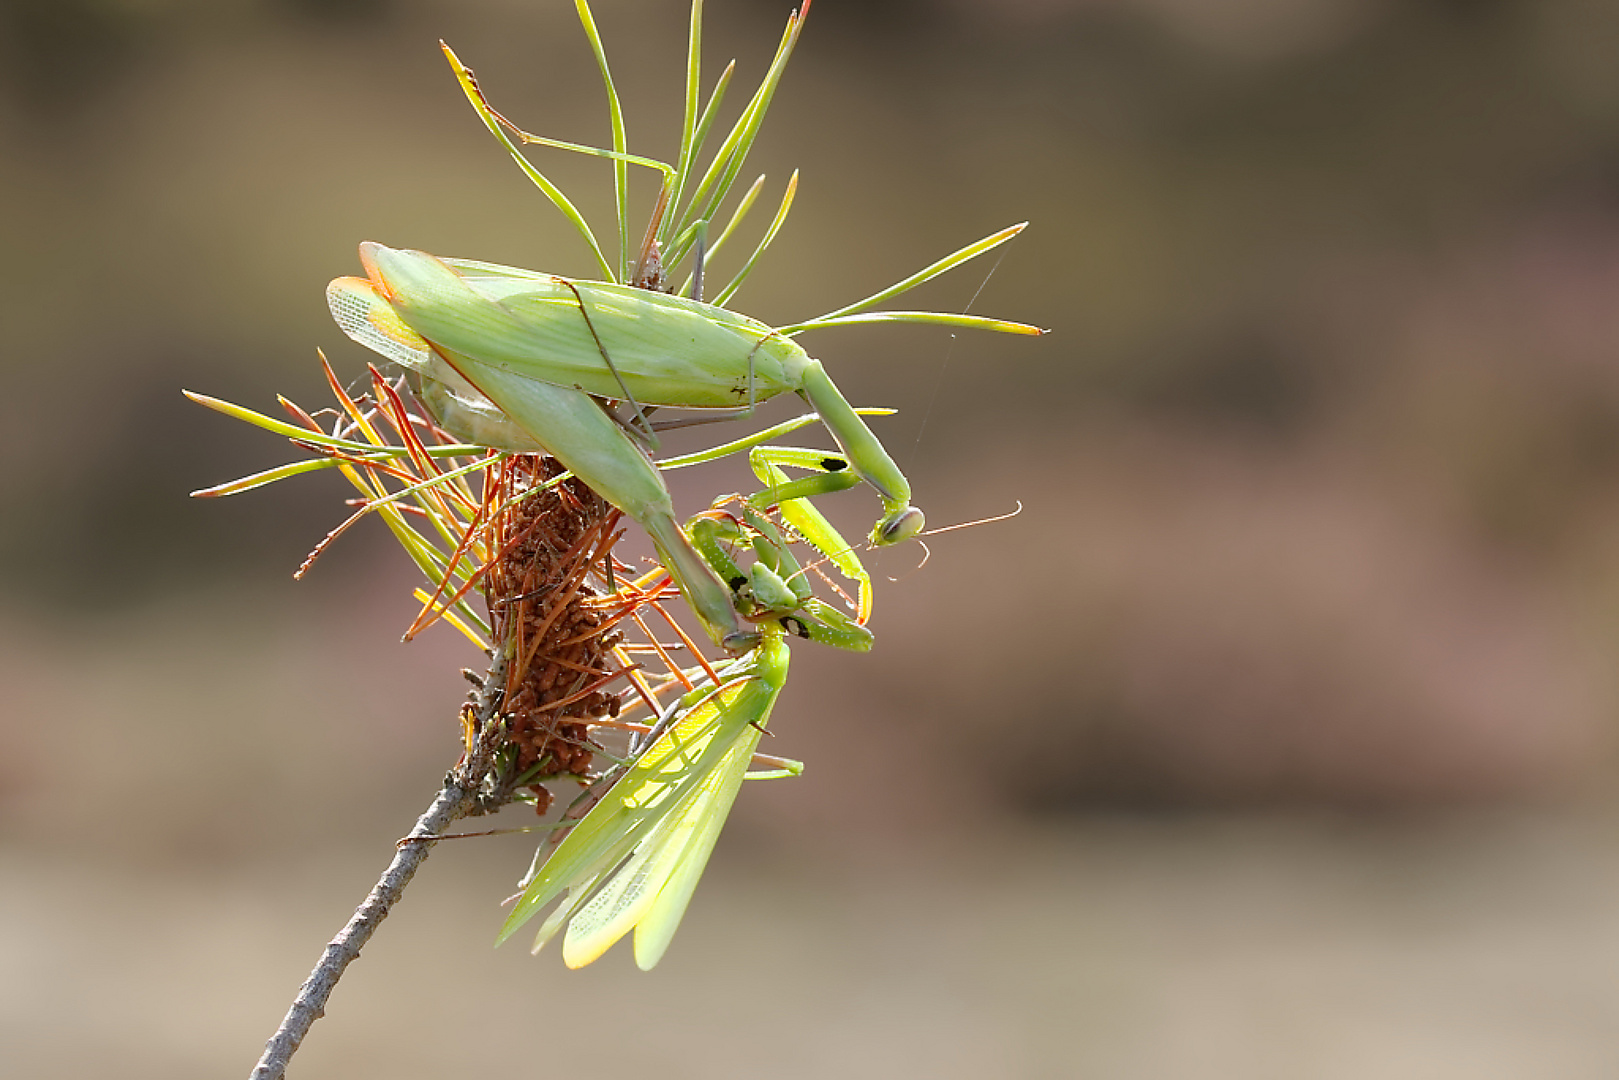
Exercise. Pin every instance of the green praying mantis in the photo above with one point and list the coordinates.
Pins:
(633, 861)
(519, 360)
(522, 360)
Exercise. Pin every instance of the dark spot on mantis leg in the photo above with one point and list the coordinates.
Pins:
(833, 464)
(801, 629)
(737, 582)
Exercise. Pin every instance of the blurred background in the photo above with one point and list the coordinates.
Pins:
(1275, 738)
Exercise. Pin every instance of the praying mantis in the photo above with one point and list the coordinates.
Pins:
(633, 861)
(521, 360)
(525, 361)
(545, 354)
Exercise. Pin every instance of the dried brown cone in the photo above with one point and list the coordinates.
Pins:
(547, 541)
(536, 543)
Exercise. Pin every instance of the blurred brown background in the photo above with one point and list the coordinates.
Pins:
(1275, 738)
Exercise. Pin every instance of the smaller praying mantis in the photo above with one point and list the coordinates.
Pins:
(633, 861)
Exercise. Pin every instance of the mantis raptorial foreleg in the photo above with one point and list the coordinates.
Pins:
(775, 587)
(828, 473)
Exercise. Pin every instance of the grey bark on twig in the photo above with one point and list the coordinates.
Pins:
(455, 800)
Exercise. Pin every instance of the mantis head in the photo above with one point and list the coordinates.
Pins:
(897, 525)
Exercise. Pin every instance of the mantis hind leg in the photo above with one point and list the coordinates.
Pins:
(645, 433)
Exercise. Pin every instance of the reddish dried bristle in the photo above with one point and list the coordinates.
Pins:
(540, 600)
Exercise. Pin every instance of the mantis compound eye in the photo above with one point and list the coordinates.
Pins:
(898, 526)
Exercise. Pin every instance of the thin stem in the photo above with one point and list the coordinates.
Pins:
(310, 1004)
(455, 800)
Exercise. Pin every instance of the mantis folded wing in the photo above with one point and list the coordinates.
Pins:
(635, 858)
